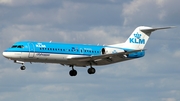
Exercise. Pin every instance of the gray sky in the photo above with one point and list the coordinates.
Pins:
(155, 77)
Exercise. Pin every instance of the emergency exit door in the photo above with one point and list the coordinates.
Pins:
(31, 50)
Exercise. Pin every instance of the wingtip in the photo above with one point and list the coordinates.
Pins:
(170, 27)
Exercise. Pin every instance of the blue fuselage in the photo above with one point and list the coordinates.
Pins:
(50, 52)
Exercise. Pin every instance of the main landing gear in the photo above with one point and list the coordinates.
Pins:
(91, 70)
(73, 72)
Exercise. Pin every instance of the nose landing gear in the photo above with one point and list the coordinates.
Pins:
(20, 62)
(22, 67)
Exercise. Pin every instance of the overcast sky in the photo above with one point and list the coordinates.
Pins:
(155, 77)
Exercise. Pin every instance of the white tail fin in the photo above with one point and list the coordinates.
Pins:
(140, 36)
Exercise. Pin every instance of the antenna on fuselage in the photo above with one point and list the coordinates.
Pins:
(50, 41)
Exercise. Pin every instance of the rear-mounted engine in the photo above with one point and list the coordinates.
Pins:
(109, 50)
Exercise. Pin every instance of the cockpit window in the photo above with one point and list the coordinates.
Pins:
(20, 46)
(17, 46)
(14, 46)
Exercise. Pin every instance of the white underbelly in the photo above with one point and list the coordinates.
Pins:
(50, 58)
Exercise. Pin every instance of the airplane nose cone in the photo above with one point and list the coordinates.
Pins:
(5, 54)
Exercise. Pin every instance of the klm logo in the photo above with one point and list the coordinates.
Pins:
(40, 45)
(137, 39)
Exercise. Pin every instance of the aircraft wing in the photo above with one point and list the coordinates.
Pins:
(110, 57)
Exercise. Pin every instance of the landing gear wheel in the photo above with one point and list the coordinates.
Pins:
(22, 67)
(73, 72)
(91, 70)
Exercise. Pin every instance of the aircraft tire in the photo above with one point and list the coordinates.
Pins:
(72, 72)
(22, 67)
(91, 70)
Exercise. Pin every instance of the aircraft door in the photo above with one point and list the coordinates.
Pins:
(31, 50)
(81, 51)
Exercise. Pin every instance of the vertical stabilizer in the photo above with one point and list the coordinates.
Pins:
(140, 36)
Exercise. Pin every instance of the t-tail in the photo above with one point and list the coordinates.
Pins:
(140, 36)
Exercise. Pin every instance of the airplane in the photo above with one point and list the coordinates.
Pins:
(81, 55)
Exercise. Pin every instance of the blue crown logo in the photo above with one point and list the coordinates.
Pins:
(138, 36)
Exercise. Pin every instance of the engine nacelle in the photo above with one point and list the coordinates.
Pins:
(109, 50)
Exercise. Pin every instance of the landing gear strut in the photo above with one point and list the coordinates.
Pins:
(72, 72)
(20, 62)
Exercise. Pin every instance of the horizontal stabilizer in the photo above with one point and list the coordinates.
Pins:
(150, 29)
